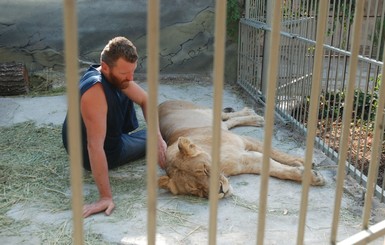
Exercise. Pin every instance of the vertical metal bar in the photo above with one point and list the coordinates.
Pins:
(332, 24)
(241, 56)
(247, 9)
(247, 57)
(347, 115)
(326, 145)
(313, 5)
(292, 15)
(381, 194)
(240, 28)
(348, 25)
(334, 103)
(266, 56)
(259, 59)
(312, 120)
(373, 166)
(261, 7)
(366, 28)
(301, 18)
(370, 85)
(355, 119)
(306, 61)
(341, 39)
(381, 30)
(252, 57)
(269, 115)
(301, 73)
(72, 68)
(286, 49)
(219, 65)
(152, 115)
(294, 73)
(263, 10)
(371, 42)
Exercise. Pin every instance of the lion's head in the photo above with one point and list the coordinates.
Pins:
(188, 171)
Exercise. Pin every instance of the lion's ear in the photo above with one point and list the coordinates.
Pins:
(186, 147)
(166, 182)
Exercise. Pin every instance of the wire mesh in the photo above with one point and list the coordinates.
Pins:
(293, 97)
(295, 74)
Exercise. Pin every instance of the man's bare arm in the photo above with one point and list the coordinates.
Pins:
(94, 112)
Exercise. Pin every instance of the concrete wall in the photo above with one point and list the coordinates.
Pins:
(31, 31)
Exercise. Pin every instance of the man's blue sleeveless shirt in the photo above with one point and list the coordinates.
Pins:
(121, 115)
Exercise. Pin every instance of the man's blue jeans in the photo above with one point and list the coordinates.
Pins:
(134, 147)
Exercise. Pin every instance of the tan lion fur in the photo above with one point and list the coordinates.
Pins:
(187, 129)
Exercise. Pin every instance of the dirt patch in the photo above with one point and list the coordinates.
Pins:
(360, 145)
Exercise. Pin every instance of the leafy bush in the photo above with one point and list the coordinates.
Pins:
(332, 104)
(233, 17)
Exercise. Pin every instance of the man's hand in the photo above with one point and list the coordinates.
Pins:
(105, 204)
(162, 147)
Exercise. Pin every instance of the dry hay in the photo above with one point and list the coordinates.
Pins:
(34, 171)
(33, 166)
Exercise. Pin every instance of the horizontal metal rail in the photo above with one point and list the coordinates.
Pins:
(265, 27)
(366, 236)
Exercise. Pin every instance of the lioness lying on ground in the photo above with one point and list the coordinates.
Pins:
(187, 129)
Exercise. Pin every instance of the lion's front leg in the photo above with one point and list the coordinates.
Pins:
(245, 117)
(244, 112)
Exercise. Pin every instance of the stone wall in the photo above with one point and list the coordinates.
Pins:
(31, 32)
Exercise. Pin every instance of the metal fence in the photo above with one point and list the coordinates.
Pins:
(328, 81)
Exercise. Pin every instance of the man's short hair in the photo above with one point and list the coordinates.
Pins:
(119, 47)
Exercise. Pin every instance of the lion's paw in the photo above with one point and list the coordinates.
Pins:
(296, 162)
(317, 178)
(260, 121)
(248, 111)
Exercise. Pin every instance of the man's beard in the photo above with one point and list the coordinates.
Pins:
(120, 84)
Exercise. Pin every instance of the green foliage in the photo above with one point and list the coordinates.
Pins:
(364, 105)
(295, 10)
(233, 17)
(332, 105)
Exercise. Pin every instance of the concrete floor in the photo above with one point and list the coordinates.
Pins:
(185, 220)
